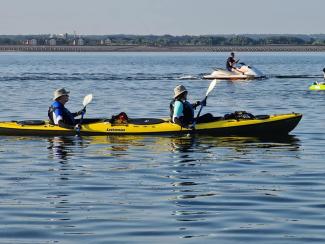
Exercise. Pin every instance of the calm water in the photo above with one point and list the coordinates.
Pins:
(150, 189)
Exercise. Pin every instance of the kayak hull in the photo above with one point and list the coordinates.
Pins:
(266, 125)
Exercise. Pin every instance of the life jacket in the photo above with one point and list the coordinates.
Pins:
(67, 116)
(188, 111)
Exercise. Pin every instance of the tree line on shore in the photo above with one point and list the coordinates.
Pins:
(168, 40)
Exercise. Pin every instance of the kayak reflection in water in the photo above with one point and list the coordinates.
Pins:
(63, 147)
(61, 116)
(182, 112)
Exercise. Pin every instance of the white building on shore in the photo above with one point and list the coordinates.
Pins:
(52, 42)
(78, 42)
(32, 42)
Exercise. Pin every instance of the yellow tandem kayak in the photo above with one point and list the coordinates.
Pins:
(260, 125)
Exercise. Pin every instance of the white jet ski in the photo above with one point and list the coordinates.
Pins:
(247, 73)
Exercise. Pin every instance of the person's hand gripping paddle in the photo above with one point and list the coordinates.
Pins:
(211, 87)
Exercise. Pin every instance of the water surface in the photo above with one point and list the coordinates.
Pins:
(158, 189)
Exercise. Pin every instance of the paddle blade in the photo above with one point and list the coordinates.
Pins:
(211, 86)
(87, 99)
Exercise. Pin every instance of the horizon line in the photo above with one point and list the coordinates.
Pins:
(34, 34)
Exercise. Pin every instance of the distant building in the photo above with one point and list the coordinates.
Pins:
(52, 42)
(78, 42)
(63, 36)
(81, 42)
(108, 41)
(32, 42)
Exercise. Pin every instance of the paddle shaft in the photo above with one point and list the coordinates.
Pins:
(211, 87)
(81, 119)
(82, 115)
(198, 114)
(86, 101)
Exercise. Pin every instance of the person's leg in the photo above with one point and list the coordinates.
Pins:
(241, 70)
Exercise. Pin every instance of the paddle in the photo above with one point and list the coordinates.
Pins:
(86, 101)
(211, 87)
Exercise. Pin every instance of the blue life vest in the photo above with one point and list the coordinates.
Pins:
(59, 109)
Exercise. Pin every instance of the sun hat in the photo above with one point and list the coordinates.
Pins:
(60, 92)
(180, 89)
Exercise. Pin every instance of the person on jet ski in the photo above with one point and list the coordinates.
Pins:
(182, 112)
(61, 116)
(231, 63)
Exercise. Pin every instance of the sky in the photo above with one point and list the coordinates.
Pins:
(159, 17)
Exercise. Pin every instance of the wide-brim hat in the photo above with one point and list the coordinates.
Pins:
(180, 89)
(60, 92)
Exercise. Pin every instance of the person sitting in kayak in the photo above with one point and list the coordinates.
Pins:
(182, 112)
(231, 63)
(324, 73)
(61, 116)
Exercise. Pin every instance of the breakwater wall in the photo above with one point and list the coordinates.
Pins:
(135, 48)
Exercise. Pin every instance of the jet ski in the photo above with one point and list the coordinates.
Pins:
(247, 73)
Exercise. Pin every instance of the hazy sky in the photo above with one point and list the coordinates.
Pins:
(175, 17)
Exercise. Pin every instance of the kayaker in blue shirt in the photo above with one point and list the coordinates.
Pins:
(61, 116)
(182, 112)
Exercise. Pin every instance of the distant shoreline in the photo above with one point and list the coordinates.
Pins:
(136, 48)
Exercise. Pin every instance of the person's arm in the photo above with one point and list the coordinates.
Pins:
(230, 63)
(198, 103)
(79, 112)
(59, 120)
(64, 125)
(180, 121)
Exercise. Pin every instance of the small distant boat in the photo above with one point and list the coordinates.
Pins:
(250, 73)
(316, 86)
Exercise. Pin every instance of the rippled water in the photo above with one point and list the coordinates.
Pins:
(158, 189)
